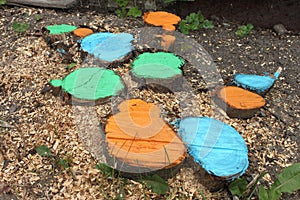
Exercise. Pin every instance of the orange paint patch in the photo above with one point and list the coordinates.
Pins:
(240, 98)
(83, 32)
(164, 19)
(167, 40)
(138, 136)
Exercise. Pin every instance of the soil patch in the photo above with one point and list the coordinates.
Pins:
(265, 13)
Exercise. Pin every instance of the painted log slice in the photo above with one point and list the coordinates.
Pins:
(240, 103)
(83, 32)
(161, 68)
(161, 18)
(90, 84)
(216, 146)
(61, 28)
(256, 83)
(108, 46)
(59, 37)
(90, 42)
(138, 137)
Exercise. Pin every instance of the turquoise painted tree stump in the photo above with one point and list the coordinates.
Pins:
(256, 83)
(216, 146)
(108, 47)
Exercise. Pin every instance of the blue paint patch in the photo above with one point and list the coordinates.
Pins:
(176, 122)
(61, 51)
(90, 42)
(114, 47)
(255, 82)
(108, 46)
(216, 146)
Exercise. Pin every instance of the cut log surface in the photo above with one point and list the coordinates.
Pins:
(159, 65)
(241, 99)
(90, 84)
(161, 18)
(44, 3)
(61, 28)
(139, 137)
(83, 32)
(108, 46)
(256, 83)
(160, 68)
(216, 146)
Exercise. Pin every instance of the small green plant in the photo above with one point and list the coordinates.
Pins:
(194, 21)
(44, 151)
(202, 194)
(207, 24)
(168, 1)
(122, 11)
(156, 184)
(64, 163)
(37, 17)
(71, 66)
(2, 2)
(238, 187)
(134, 12)
(106, 170)
(288, 181)
(121, 192)
(20, 27)
(111, 173)
(244, 30)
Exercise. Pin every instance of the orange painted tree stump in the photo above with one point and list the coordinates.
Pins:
(240, 103)
(83, 32)
(138, 137)
(161, 18)
(167, 21)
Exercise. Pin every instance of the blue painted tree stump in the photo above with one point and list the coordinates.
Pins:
(256, 83)
(216, 146)
(107, 46)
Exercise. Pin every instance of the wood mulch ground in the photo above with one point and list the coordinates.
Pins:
(32, 117)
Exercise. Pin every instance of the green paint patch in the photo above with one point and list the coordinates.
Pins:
(56, 83)
(61, 28)
(160, 65)
(90, 83)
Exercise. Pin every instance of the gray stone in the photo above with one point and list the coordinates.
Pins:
(13, 108)
(235, 198)
(280, 29)
(150, 5)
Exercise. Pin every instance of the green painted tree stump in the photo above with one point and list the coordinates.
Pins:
(159, 69)
(91, 85)
(60, 38)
